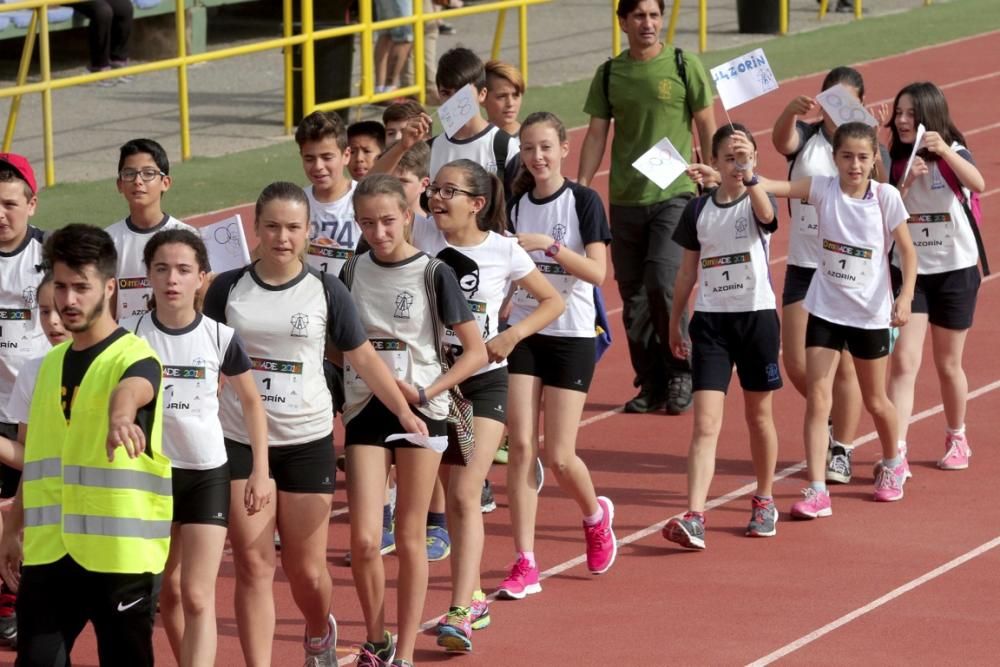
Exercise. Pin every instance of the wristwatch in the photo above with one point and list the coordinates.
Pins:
(553, 249)
(752, 182)
(421, 396)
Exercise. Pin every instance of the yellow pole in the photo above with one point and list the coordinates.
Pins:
(522, 24)
(498, 34)
(308, 59)
(675, 13)
(783, 25)
(703, 26)
(822, 8)
(616, 32)
(857, 9)
(182, 82)
(22, 76)
(43, 43)
(420, 72)
(286, 18)
(367, 57)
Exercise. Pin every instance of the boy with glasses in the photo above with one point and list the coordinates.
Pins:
(143, 177)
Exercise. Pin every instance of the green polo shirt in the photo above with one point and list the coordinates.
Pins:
(647, 104)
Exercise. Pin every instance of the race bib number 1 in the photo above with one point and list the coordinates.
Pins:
(808, 224)
(17, 331)
(932, 230)
(846, 265)
(394, 353)
(482, 317)
(182, 389)
(731, 275)
(279, 382)
(556, 275)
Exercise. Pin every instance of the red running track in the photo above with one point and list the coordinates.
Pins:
(910, 583)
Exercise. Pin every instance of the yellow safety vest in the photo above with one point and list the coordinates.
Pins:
(108, 516)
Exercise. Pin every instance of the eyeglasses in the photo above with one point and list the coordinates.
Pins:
(147, 174)
(448, 192)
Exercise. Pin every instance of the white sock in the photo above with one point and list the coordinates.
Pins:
(596, 517)
(956, 431)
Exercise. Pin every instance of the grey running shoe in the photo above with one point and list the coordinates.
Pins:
(487, 503)
(323, 653)
(679, 394)
(688, 531)
(763, 517)
(838, 464)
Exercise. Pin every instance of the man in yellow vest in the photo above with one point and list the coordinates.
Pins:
(96, 520)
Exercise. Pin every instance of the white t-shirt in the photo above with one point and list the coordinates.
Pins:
(851, 285)
(19, 405)
(395, 309)
(133, 285)
(284, 329)
(815, 158)
(21, 336)
(485, 273)
(479, 149)
(192, 358)
(732, 245)
(574, 216)
(333, 232)
(941, 231)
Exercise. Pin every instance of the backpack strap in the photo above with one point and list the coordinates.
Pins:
(682, 73)
(606, 83)
(348, 270)
(949, 176)
(430, 269)
(501, 144)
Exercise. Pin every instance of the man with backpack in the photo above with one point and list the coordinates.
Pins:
(652, 91)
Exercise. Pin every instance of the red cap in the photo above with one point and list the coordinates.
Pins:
(21, 167)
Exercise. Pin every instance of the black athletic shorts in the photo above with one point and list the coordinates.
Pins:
(201, 496)
(948, 298)
(749, 340)
(305, 468)
(56, 600)
(488, 393)
(797, 279)
(865, 344)
(560, 361)
(376, 422)
(9, 477)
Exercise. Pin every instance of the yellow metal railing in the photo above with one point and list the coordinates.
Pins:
(366, 28)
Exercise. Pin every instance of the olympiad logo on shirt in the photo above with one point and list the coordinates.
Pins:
(844, 249)
(30, 297)
(133, 283)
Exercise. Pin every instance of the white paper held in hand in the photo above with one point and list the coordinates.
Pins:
(742, 79)
(226, 244)
(662, 163)
(438, 443)
(844, 107)
(458, 110)
(916, 147)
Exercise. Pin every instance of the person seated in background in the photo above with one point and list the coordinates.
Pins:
(108, 31)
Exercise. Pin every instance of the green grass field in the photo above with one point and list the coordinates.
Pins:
(206, 184)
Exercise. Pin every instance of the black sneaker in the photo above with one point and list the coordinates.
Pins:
(679, 394)
(487, 503)
(845, 7)
(645, 401)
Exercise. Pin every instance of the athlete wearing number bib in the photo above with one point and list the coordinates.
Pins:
(284, 329)
(133, 285)
(485, 273)
(394, 310)
(21, 337)
(562, 353)
(193, 359)
(735, 315)
(333, 232)
(947, 276)
(851, 286)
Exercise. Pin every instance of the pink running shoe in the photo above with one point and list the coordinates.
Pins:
(602, 548)
(889, 483)
(816, 504)
(957, 453)
(522, 581)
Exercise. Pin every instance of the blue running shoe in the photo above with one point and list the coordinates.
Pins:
(438, 543)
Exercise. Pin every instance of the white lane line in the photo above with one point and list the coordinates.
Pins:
(875, 604)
